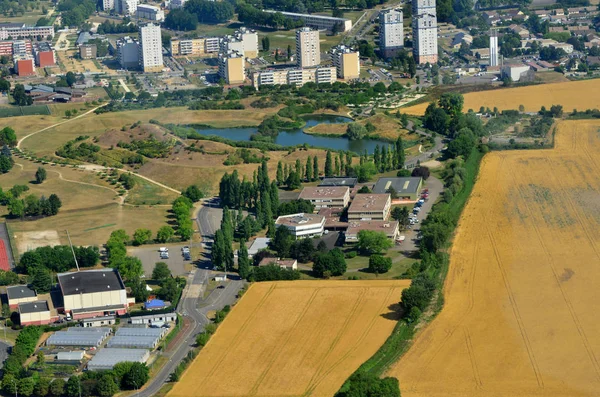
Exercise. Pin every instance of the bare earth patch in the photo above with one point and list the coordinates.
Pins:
(27, 241)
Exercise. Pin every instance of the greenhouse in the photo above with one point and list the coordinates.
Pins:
(107, 358)
(78, 336)
(134, 331)
(145, 342)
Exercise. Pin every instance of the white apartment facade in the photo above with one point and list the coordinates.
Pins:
(296, 76)
(391, 32)
(320, 22)
(108, 5)
(11, 30)
(244, 41)
(494, 56)
(425, 43)
(151, 58)
(126, 7)
(302, 225)
(308, 47)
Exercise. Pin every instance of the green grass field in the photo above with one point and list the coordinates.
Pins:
(146, 193)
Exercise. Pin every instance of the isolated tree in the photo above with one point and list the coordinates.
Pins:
(141, 236)
(193, 192)
(68, 114)
(164, 234)
(161, 271)
(356, 131)
(379, 264)
(40, 175)
(330, 263)
(8, 137)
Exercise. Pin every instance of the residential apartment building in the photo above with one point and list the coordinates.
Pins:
(44, 55)
(232, 68)
(298, 77)
(302, 225)
(151, 58)
(15, 47)
(308, 48)
(326, 197)
(370, 207)
(126, 7)
(152, 13)
(244, 41)
(206, 46)
(24, 65)
(391, 32)
(346, 62)
(318, 21)
(87, 51)
(128, 53)
(14, 30)
(425, 43)
(108, 5)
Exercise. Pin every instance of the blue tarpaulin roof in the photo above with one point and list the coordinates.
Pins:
(155, 304)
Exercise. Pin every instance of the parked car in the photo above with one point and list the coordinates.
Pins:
(163, 249)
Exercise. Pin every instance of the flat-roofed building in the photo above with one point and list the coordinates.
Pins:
(260, 243)
(88, 51)
(35, 313)
(126, 7)
(407, 189)
(308, 47)
(193, 47)
(20, 294)
(232, 68)
(302, 225)
(320, 22)
(100, 321)
(326, 197)
(152, 13)
(296, 76)
(128, 53)
(93, 293)
(244, 41)
(288, 264)
(391, 32)
(44, 55)
(10, 30)
(346, 62)
(390, 228)
(150, 58)
(370, 207)
(24, 65)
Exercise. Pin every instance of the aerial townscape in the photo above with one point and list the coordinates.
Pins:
(228, 198)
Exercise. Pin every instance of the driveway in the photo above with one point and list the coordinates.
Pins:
(410, 244)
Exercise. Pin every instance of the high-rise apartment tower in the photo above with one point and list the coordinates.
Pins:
(425, 44)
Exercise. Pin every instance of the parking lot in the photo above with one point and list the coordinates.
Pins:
(149, 255)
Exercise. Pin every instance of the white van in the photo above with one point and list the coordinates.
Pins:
(163, 249)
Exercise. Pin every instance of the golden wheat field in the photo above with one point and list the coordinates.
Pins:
(522, 293)
(300, 338)
(580, 95)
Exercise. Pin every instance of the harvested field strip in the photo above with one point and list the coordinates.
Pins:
(294, 338)
(580, 95)
(520, 294)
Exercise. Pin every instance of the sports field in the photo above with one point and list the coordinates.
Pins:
(580, 95)
(301, 338)
(522, 290)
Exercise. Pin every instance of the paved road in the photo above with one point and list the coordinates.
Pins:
(425, 156)
(194, 308)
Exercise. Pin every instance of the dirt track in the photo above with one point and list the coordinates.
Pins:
(522, 289)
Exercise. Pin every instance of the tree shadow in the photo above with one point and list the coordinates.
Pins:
(395, 312)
